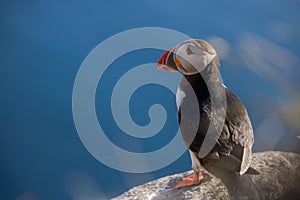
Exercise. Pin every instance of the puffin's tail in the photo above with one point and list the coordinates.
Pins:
(242, 186)
(252, 171)
(239, 186)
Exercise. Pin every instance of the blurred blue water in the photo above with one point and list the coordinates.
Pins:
(42, 44)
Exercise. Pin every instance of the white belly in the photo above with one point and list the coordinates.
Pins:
(180, 95)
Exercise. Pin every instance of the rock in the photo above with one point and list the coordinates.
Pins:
(279, 178)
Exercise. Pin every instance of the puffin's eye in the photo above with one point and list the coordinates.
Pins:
(189, 50)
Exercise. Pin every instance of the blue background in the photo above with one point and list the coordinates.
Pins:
(43, 43)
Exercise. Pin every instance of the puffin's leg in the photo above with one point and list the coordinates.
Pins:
(191, 180)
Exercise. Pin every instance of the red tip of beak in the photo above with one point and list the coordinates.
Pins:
(162, 60)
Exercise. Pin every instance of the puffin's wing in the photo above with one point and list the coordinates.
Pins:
(237, 134)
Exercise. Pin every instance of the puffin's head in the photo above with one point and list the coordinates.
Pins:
(189, 57)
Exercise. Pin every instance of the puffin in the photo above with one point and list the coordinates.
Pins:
(213, 121)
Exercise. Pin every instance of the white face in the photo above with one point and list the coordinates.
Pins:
(192, 57)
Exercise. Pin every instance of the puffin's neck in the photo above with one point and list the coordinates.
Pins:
(195, 80)
(206, 81)
(210, 75)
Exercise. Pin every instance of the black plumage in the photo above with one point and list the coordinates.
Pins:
(230, 156)
(236, 138)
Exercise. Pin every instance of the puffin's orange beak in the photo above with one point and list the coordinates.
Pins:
(162, 62)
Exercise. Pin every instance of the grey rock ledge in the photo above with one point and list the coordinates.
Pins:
(279, 178)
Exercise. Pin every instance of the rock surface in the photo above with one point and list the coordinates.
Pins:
(279, 178)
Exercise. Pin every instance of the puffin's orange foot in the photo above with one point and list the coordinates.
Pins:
(191, 180)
